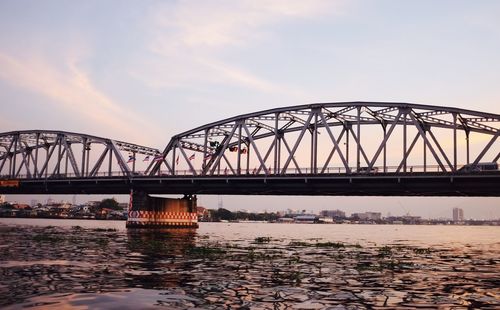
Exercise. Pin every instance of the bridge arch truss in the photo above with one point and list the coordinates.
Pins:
(342, 138)
(44, 154)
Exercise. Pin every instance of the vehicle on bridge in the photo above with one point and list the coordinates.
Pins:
(367, 170)
(479, 167)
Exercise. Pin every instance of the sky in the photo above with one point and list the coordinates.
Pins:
(142, 71)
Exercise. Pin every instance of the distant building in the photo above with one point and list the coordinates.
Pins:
(333, 213)
(306, 218)
(21, 206)
(202, 213)
(368, 216)
(123, 206)
(458, 215)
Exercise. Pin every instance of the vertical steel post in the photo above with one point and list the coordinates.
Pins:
(110, 163)
(238, 164)
(248, 156)
(133, 161)
(276, 124)
(425, 152)
(28, 155)
(467, 140)
(315, 158)
(174, 160)
(88, 159)
(358, 151)
(404, 141)
(455, 141)
(59, 154)
(13, 158)
(66, 153)
(36, 155)
(279, 153)
(10, 166)
(385, 148)
(205, 143)
(47, 162)
(84, 143)
(347, 145)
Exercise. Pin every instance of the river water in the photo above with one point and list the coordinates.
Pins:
(54, 264)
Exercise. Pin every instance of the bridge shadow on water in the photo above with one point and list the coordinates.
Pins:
(153, 260)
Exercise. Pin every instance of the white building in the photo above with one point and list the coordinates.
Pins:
(458, 214)
(373, 216)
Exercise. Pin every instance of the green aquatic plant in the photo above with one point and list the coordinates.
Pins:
(299, 244)
(104, 229)
(295, 277)
(102, 242)
(335, 245)
(422, 250)
(262, 240)
(43, 237)
(385, 251)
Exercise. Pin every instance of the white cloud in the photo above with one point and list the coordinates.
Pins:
(72, 91)
(213, 24)
(188, 39)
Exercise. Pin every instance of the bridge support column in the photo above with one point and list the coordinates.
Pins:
(156, 212)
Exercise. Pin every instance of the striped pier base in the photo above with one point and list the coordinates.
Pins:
(154, 219)
(157, 212)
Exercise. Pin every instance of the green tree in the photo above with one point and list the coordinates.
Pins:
(222, 214)
(109, 203)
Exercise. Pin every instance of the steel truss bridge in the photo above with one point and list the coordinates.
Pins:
(347, 148)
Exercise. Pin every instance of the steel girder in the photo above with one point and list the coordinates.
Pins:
(38, 154)
(272, 141)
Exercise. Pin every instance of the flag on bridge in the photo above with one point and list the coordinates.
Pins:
(192, 156)
(177, 160)
(208, 156)
(131, 158)
(158, 157)
(146, 158)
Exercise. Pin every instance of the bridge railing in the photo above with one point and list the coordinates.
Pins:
(330, 171)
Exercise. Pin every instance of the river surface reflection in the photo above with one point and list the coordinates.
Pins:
(54, 264)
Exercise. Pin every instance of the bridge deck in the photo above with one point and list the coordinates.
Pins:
(389, 184)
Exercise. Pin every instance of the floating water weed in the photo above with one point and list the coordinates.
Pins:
(47, 238)
(422, 251)
(330, 245)
(205, 251)
(385, 251)
(299, 244)
(262, 240)
(103, 229)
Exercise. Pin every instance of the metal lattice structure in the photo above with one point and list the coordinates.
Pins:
(343, 138)
(41, 154)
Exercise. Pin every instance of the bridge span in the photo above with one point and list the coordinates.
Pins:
(347, 148)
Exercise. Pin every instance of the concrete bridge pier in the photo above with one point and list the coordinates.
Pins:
(157, 212)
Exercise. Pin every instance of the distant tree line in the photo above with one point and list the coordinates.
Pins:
(222, 214)
(109, 203)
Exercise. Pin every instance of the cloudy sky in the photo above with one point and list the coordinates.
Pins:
(141, 71)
